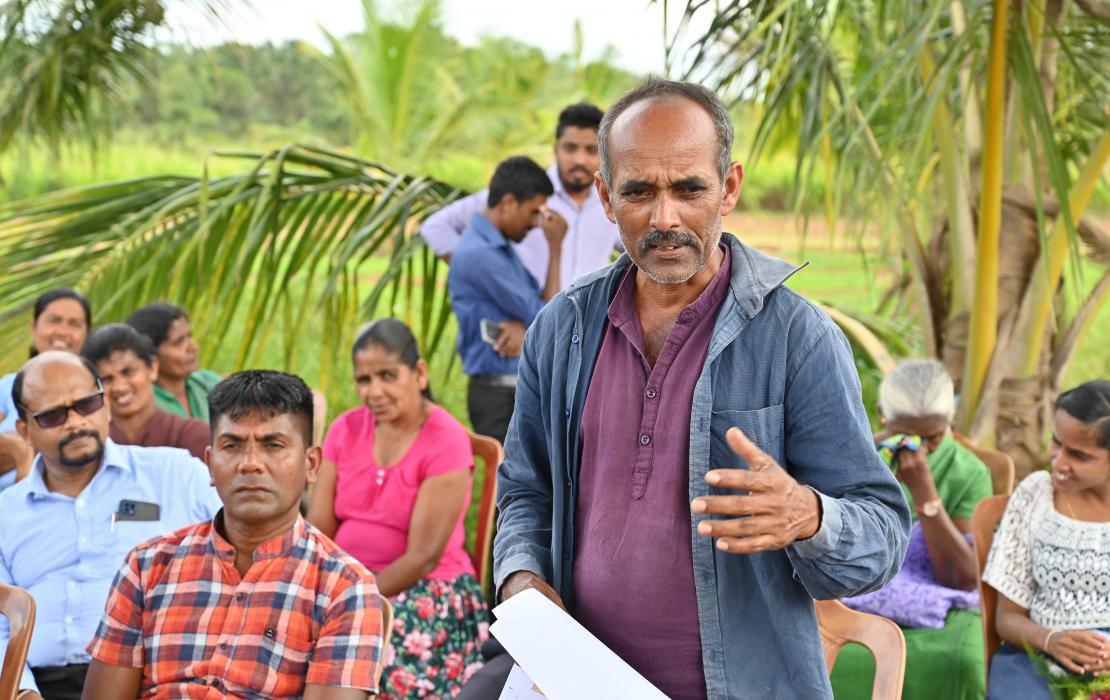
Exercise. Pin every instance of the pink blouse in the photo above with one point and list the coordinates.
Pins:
(374, 504)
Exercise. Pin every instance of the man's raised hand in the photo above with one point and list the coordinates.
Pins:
(775, 512)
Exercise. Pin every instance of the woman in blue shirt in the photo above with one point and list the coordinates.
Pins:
(62, 318)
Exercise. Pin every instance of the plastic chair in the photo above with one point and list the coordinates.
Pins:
(387, 619)
(1000, 464)
(489, 450)
(840, 625)
(984, 521)
(19, 607)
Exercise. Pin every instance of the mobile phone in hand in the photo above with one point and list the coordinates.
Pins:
(489, 330)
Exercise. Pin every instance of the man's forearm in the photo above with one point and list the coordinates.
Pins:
(554, 274)
(830, 565)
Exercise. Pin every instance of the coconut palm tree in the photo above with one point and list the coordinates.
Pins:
(973, 132)
(65, 64)
(301, 244)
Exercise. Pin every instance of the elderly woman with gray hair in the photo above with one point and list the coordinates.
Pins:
(932, 597)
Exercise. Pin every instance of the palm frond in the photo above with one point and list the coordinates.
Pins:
(292, 245)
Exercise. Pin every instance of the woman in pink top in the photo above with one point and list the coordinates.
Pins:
(393, 491)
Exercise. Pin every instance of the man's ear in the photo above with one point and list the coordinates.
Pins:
(208, 461)
(734, 179)
(603, 195)
(508, 203)
(21, 428)
(313, 457)
(154, 369)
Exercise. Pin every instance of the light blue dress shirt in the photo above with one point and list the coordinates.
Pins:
(66, 551)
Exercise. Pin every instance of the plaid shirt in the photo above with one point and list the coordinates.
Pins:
(306, 612)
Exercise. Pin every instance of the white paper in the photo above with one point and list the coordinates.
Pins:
(520, 687)
(561, 656)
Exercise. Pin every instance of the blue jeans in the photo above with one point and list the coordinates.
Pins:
(1013, 676)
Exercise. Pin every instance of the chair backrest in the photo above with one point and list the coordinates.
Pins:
(19, 607)
(319, 416)
(489, 450)
(387, 619)
(984, 521)
(840, 625)
(1000, 464)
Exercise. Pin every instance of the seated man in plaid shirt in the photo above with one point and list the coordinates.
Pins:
(256, 603)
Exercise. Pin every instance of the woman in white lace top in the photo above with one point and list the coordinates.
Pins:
(1050, 561)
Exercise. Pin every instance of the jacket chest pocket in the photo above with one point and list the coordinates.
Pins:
(763, 426)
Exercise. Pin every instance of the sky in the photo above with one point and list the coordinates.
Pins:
(547, 24)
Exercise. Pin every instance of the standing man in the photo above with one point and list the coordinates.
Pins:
(494, 297)
(591, 236)
(128, 368)
(689, 463)
(254, 603)
(67, 526)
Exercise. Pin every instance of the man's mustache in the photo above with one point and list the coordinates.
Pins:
(77, 435)
(656, 236)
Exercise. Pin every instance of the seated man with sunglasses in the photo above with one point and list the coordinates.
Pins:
(66, 528)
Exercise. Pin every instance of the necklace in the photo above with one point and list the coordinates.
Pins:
(1067, 504)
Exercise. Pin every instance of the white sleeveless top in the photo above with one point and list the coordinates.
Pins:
(1055, 566)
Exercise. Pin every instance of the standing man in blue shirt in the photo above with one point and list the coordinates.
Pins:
(86, 503)
(494, 296)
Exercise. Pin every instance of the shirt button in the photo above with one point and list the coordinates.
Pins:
(224, 645)
(239, 595)
(72, 584)
(69, 619)
(80, 503)
(574, 338)
(645, 439)
(566, 413)
(650, 393)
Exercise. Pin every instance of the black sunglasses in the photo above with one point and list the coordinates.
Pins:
(53, 417)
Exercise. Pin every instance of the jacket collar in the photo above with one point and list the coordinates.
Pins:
(754, 275)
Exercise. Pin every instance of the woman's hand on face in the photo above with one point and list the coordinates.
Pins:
(1080, 651)
(913, 470)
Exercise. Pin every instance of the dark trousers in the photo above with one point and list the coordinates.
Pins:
(61, 682)
(490, 406)
(489, 680)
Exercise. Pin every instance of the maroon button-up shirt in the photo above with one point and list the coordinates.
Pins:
(633, 569)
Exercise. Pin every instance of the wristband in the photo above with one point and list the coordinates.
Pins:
(1048, 638)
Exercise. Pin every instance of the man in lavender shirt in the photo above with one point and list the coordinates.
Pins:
(689, 464)
(575, 207)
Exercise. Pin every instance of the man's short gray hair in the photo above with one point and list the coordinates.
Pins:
(916, 389)
(654, 88)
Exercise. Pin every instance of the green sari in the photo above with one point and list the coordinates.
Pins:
(940, 663)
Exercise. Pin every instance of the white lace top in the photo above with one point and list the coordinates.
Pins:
(1055, 566)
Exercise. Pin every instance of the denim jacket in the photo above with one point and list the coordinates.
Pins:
(779, 369)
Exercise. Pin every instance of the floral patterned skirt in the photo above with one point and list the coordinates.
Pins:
(438, 630)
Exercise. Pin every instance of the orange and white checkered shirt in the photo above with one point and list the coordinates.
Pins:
(306, 612)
